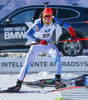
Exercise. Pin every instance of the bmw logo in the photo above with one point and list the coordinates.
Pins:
(47, 30)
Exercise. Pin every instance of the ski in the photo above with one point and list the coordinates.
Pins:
(46, 83)
(5, 91)
(45, 91)
(62, 89)
(77, 81)
(37, 85)
(32, 91)
(73, 83)
(41, 83)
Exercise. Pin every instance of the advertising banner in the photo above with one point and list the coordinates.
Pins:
(69, 64)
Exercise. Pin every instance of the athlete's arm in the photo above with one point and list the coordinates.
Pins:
(65, 25)
(31, 31)
(68, 27)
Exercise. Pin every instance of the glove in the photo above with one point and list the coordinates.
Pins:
(38, 40)
(43, 42)
(74, 39)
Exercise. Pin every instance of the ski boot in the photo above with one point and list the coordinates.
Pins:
(15, 88)
(58, 84)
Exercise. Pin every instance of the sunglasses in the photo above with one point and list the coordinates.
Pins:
(47, 16)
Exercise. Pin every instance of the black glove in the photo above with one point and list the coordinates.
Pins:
(38, 40)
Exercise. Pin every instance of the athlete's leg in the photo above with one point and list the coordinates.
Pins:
(33, 52)
(52, 50)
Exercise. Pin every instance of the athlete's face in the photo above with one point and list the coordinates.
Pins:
(47, 21)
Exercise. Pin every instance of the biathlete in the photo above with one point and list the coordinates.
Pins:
(41, 32)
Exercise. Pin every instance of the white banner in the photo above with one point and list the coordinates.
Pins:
(69, 64)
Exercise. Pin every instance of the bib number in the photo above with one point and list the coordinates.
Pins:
(46, 35)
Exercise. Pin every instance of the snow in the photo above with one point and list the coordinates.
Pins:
(19, 54)
(24, 54)
(10, 80)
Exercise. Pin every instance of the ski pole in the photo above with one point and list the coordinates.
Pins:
(52, 42)
(81, 39)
